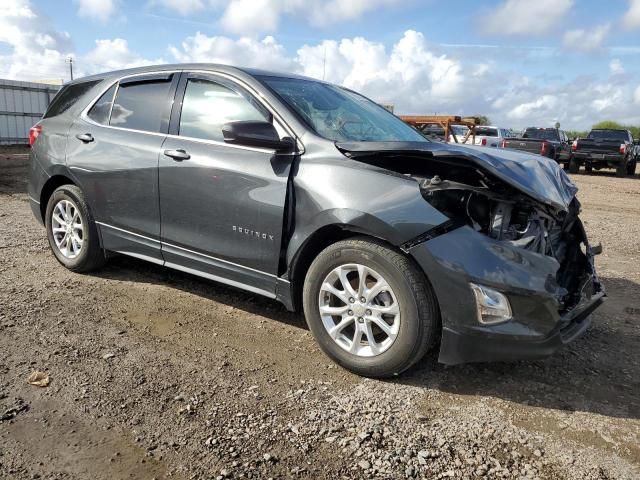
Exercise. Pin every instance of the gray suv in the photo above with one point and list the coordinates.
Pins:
(313, 195)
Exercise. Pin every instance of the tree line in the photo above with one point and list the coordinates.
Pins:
(635, 130)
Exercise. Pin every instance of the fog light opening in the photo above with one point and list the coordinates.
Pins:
(492, 306)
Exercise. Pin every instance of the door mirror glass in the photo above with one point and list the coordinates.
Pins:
(253, 133)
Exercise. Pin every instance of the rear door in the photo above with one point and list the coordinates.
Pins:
(222, 206)
(113, 153)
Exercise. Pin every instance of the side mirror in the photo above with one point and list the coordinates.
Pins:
(256, 134)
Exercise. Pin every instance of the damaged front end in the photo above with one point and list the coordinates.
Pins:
(514, 235)
(518, 221)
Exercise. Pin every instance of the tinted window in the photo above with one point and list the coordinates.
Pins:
(141, 105)
(339, 114)
(486, 132)
(207, 106)
(541, 133)
(102, 108)
(68, 96)
(620, 135)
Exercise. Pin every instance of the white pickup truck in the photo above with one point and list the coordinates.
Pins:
(488, 136)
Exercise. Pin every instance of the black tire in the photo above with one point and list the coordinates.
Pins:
(419, 315)
(91, 255)
(588, 168)
(574, 165)
(631, 167)
(621, 169)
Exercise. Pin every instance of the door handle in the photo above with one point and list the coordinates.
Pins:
(85, 137)
(177, 155)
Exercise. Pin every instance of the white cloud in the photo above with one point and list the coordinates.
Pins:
(632, 17)
(247, 52)
(96, 9)
(527, 17)
(546, 104)
(36, 49)
(112, 54)
(616, 67)
(327, 12)
(586, 40)
(410, 75)
(185, 7)
(636, 96)
(255, 17)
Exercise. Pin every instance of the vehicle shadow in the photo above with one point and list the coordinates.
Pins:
(130, 269)
(597, 373)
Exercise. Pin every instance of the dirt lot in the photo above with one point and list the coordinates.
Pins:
(157, 374)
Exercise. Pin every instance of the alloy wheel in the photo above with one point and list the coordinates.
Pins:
(359, 310)
(67, 228)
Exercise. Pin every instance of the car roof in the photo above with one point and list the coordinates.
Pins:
(213, 67)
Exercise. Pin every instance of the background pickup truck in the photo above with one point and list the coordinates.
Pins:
(548, 142)
(606, 148)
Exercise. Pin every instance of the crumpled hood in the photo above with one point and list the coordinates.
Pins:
(538, 177)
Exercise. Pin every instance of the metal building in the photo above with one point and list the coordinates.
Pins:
(21, 106)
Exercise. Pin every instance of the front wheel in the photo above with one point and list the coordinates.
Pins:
(71, 231)
(370, 308)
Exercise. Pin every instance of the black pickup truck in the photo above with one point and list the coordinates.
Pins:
(605, 148)
(548, 142)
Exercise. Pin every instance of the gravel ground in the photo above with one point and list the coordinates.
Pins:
(157, 374)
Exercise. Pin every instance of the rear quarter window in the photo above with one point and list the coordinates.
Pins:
(67, 97)
(102, 108)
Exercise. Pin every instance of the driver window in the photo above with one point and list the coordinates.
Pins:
(208, 105)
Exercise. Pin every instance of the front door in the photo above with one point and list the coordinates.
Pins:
(222, 206)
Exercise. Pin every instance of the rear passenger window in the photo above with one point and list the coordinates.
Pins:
(141, 105)
(100, 111)
(68, 96)
(207, 106)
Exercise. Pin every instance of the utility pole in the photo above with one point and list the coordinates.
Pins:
(324, 63)
(70, 62)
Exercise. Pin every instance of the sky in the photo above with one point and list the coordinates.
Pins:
(520, 62)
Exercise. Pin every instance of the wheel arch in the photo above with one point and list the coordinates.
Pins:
(49, 187)
(302, 256)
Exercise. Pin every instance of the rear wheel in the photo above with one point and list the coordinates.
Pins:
(621, 169)
(71, 231)
(574, 165)
(631, 168)
(370, 308)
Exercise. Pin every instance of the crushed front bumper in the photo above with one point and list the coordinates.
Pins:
(537, 329)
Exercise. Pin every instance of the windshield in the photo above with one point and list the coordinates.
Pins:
(620, 135)
(459, 130)
(340, 115)
(541, 133)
